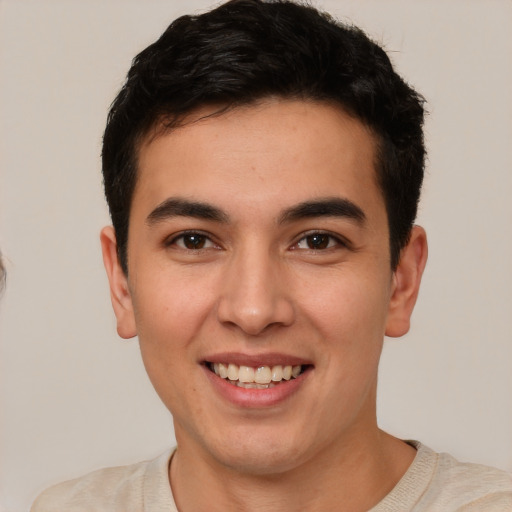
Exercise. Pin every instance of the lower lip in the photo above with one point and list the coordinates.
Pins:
(255, 398)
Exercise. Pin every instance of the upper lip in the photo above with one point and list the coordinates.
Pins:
(256, 360)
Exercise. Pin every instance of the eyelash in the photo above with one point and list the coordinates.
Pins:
(204, 237)
(333, 241)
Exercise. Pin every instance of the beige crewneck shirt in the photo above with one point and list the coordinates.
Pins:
(433, 483)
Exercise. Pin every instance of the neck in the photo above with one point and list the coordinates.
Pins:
(352, 476)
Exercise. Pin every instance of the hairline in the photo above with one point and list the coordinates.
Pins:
(165, 123)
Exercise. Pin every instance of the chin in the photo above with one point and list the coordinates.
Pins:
(259, 453)
(259, 464)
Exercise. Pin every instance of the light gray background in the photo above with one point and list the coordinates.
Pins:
(74, 397)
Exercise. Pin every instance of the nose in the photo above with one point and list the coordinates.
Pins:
(254, 295)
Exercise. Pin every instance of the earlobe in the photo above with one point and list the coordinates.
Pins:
(119, 291)
(406, 283)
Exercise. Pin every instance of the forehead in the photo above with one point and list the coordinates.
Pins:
(260, 155)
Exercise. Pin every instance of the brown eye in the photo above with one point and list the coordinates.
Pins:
(192, 241)
(318, 241)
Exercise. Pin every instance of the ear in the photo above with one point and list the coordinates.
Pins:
(119, 290)
(406, 283)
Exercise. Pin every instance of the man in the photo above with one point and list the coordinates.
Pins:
(263, 166)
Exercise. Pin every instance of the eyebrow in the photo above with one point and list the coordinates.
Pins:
(324, 207)
(174, 207)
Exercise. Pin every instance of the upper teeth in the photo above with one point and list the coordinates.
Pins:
(259, 375)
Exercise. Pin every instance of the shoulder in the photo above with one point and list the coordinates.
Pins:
(469, 487)
(119, 488)
(438, 482)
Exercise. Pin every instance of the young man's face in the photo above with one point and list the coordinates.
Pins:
(259, 239)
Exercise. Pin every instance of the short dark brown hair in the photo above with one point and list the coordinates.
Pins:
(246, 50)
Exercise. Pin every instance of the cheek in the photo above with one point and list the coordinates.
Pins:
(168, 319)
(345, 307)
(169, 308)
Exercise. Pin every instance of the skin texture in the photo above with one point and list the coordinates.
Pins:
(258, 288)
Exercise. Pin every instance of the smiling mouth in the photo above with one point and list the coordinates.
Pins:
(260, 377)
